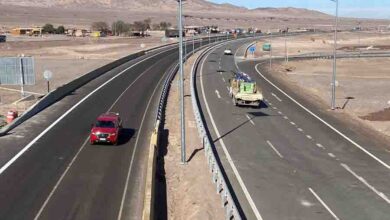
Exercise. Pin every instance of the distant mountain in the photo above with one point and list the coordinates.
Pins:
(116, 4)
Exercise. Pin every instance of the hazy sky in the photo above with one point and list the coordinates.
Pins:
(348, 8)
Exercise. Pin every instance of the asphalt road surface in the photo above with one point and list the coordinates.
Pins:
(62, 176)
(289, 159)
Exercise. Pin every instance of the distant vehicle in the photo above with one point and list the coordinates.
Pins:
(228, 52)
(3, 38)
(173, 33)
(244, 91)
(107, 129)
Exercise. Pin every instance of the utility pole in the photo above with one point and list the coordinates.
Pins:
(333, 101)
(285, 46)
(182, 122)
(270, 53)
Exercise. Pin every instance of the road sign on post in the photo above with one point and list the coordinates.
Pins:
(47, 75)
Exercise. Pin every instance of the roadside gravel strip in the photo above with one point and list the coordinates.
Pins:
(189, 192)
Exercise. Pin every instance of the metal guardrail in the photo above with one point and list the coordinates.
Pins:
(231, 211)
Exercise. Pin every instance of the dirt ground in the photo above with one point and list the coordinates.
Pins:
(363, 86)
(68, 58)
(347, 41)
(187, 185)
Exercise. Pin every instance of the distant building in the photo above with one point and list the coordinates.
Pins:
(34, 31)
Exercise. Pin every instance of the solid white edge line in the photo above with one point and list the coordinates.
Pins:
(12, 160)
(361, 179)
(323, 121)
(76, 156)
(59, 181)
(277, 152)
(324, 204)
(135, 149)
(228, 157)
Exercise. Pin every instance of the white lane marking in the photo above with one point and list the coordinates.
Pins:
(361, 179)
(324, 122)
(331, 155)
(249, 118)
(269, 103)
(292, 123)
(309, 137)
(300, 129)
(119, 97)
(28, 146)
(59, 181)
(228, 157)
(285, 117)
(220, 73)
(228, 89)
(306, 203)
(272, 146)
(81, 148)
(280, 113)
(276, 97)
(135, 149)
(266, 100)
(275, 108)
(218, 95)
(223, 79)
(320, 146)
(324, 204)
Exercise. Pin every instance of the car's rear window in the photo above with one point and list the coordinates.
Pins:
(105, 124)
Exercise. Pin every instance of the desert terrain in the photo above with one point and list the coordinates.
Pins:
(363, 84)
(67, 58)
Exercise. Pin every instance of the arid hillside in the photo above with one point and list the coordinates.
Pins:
(81, 13)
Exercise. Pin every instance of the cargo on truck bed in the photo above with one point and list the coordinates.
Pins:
(244, 91)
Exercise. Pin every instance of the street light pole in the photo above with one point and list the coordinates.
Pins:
(333, 101)
(183, 142)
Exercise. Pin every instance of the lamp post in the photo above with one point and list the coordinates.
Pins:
(182, 122)
(333, 101)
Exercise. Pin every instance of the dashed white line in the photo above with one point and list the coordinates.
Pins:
(218, 95)
(320, 146)
(274, 108)
(273, 148)
(223, 79)
(250, 119)
(280, 113)
(324, 122)
(292, 123)
(331, 155)
(28, 146)
(228, 157)
(276, 97)
(228, 89)
(309, 137)
(269, 103)
(324, 204)
(285, 117)
(361, 179)
(300, 129)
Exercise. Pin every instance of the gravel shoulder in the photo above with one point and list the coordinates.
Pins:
(190, 194)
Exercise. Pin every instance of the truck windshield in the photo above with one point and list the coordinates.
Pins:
(105, 124)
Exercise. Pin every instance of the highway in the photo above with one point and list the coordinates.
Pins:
(290, 159)
(54, 173)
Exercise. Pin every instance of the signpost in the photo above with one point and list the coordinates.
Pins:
(47, 75)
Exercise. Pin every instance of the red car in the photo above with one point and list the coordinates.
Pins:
(106, 129)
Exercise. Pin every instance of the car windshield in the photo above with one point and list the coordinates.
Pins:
(105, 124)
